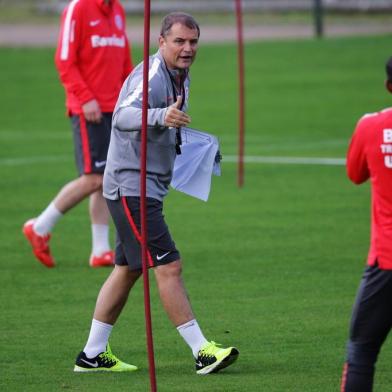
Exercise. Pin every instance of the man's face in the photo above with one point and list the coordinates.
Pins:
(179, 47)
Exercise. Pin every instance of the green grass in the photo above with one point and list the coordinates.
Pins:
(272, 268)
(34, 12)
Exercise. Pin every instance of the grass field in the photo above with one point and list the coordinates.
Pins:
(271, 268)
(33, 12)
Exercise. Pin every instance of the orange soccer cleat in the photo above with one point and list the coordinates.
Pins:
(106, 259)
(40, 244)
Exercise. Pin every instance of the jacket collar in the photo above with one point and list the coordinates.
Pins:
(106, 8)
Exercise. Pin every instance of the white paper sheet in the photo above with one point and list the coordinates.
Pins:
(197, 162)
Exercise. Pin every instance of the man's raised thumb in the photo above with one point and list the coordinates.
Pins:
(177, 104)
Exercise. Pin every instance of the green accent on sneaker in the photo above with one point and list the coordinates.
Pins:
(105, 361)
(211, 358)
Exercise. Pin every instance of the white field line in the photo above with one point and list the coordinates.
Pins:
(287, 160)
(34, 160)
(226, 159)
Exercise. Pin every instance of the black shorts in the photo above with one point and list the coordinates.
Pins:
(372, 316)
(126, 216)
(91, 143)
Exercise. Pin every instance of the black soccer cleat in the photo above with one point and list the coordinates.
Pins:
(105, 361)
(211, 358)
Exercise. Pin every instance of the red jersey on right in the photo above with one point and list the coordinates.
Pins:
(370, 156)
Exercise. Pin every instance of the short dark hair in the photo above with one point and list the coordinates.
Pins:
(388, 69)
(178, 17)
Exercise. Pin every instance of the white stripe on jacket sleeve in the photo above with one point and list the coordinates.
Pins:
(65, 39)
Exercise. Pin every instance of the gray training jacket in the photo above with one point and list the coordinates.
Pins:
(122, 172)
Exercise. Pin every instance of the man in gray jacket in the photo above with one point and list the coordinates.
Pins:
(167, 103)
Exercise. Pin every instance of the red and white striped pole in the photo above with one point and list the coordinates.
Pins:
(241, 94)
(143, 171)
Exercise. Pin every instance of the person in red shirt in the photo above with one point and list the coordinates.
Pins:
(370, 157)
(93, 60)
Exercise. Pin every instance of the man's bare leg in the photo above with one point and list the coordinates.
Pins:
(77, 190)
(110, 302)
(99, 215)
(172, 293)
(114, 294)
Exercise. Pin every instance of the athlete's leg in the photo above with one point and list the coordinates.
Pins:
(208, 356)
(172, 293)
(77, 190)
(98, 208)
(99, 215)
(370, 324)
(110, 302)
(38, 230)
(68, 197)
(177, 305)
(114, 294)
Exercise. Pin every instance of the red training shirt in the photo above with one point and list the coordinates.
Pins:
(370, 156)
(93, 55)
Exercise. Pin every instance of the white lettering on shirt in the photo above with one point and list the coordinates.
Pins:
(388, 161)
(387, 135)
(387, 148)
(98, 41)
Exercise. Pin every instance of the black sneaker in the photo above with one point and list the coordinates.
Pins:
(211, 358)
(105, 361)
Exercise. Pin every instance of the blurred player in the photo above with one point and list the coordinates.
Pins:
(168, 101)
(93, 59)
(370, 157)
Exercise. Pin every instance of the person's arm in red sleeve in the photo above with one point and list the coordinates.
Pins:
(66, 57)
(357, 166)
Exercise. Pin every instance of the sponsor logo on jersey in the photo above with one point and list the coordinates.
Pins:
(94, 22)
(98, 41)
(118, 22)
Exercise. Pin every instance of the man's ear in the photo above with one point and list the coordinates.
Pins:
(161, 41)
(388, 86)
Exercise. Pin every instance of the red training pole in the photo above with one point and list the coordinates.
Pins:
(143, 171)
(241, 96)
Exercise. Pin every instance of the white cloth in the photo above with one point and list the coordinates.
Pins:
(195, 165)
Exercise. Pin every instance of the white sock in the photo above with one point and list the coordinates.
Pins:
(192, 335)
(100, 234)
(98, 338)
(46, 221)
